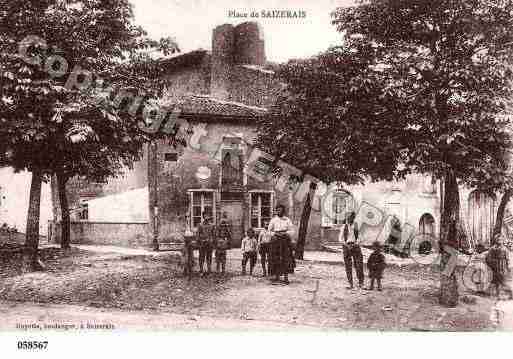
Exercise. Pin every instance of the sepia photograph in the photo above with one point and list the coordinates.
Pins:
(255, 166)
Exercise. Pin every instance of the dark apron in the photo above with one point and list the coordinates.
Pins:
(281, 255)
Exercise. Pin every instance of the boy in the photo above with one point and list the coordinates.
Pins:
(376, 265)
(264, 238)
(249, 251)
(222, 245)
(498, 261)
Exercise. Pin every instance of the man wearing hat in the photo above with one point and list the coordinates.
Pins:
(206, 239)
(351, 250)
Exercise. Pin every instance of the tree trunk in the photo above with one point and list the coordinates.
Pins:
(449, 241)
(32, 230)
(63, 200)
(500, 213)
(303, 223)
(153, 193)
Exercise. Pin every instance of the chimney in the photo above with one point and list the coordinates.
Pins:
(249, 44)
(239, 45)
(223, 45)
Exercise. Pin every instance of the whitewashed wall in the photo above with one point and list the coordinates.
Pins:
(14, 200)
(125, 207)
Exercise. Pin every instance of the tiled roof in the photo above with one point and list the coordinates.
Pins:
(207, 105)
(183, 60)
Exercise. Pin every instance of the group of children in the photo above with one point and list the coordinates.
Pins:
(216, 240)
(273, 243)
(209, 238)
(252, 246)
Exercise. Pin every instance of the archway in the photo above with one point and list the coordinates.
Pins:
(426, 230)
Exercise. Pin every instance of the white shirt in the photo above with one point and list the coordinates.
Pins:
(264, 236)
(280, 224)
(350, 233)
(249, 244)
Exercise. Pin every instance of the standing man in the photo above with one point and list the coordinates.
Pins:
(352, 251)
(206, 239)
(281, 230)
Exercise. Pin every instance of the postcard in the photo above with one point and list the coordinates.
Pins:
(337, 167)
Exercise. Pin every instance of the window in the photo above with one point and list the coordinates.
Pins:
(83, 213)
(342, 204)
(230, 169)
(171, 157)
(201, 202)
(427, 225)
(231, 163)
(335, 206)
(261, 208)
(427, 232)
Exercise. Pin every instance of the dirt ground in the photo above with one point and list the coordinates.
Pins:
(316, 297)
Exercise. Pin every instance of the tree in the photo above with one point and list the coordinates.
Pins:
(69, 70)
(333, 123)
(449, 63)
(499, 219)
(507, 193)
(93, 147)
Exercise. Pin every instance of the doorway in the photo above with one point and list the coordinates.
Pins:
(233, 211)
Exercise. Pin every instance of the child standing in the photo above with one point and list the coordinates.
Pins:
(498, 261)
(264, 238)
(249, 251)
(222, 246)
(376, 265)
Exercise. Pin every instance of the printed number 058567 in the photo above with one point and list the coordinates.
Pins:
(32, 345)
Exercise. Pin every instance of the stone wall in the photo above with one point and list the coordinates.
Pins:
(174, 179)
(101, 233)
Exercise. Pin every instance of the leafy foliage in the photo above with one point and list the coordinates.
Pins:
(448, 63)
(70, 112)
(333, 120)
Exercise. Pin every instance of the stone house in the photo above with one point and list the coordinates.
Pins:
(220, 94)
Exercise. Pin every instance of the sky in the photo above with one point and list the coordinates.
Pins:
(191, 23)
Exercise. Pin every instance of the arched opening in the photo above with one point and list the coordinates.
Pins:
(343, 204)
(427, 231)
